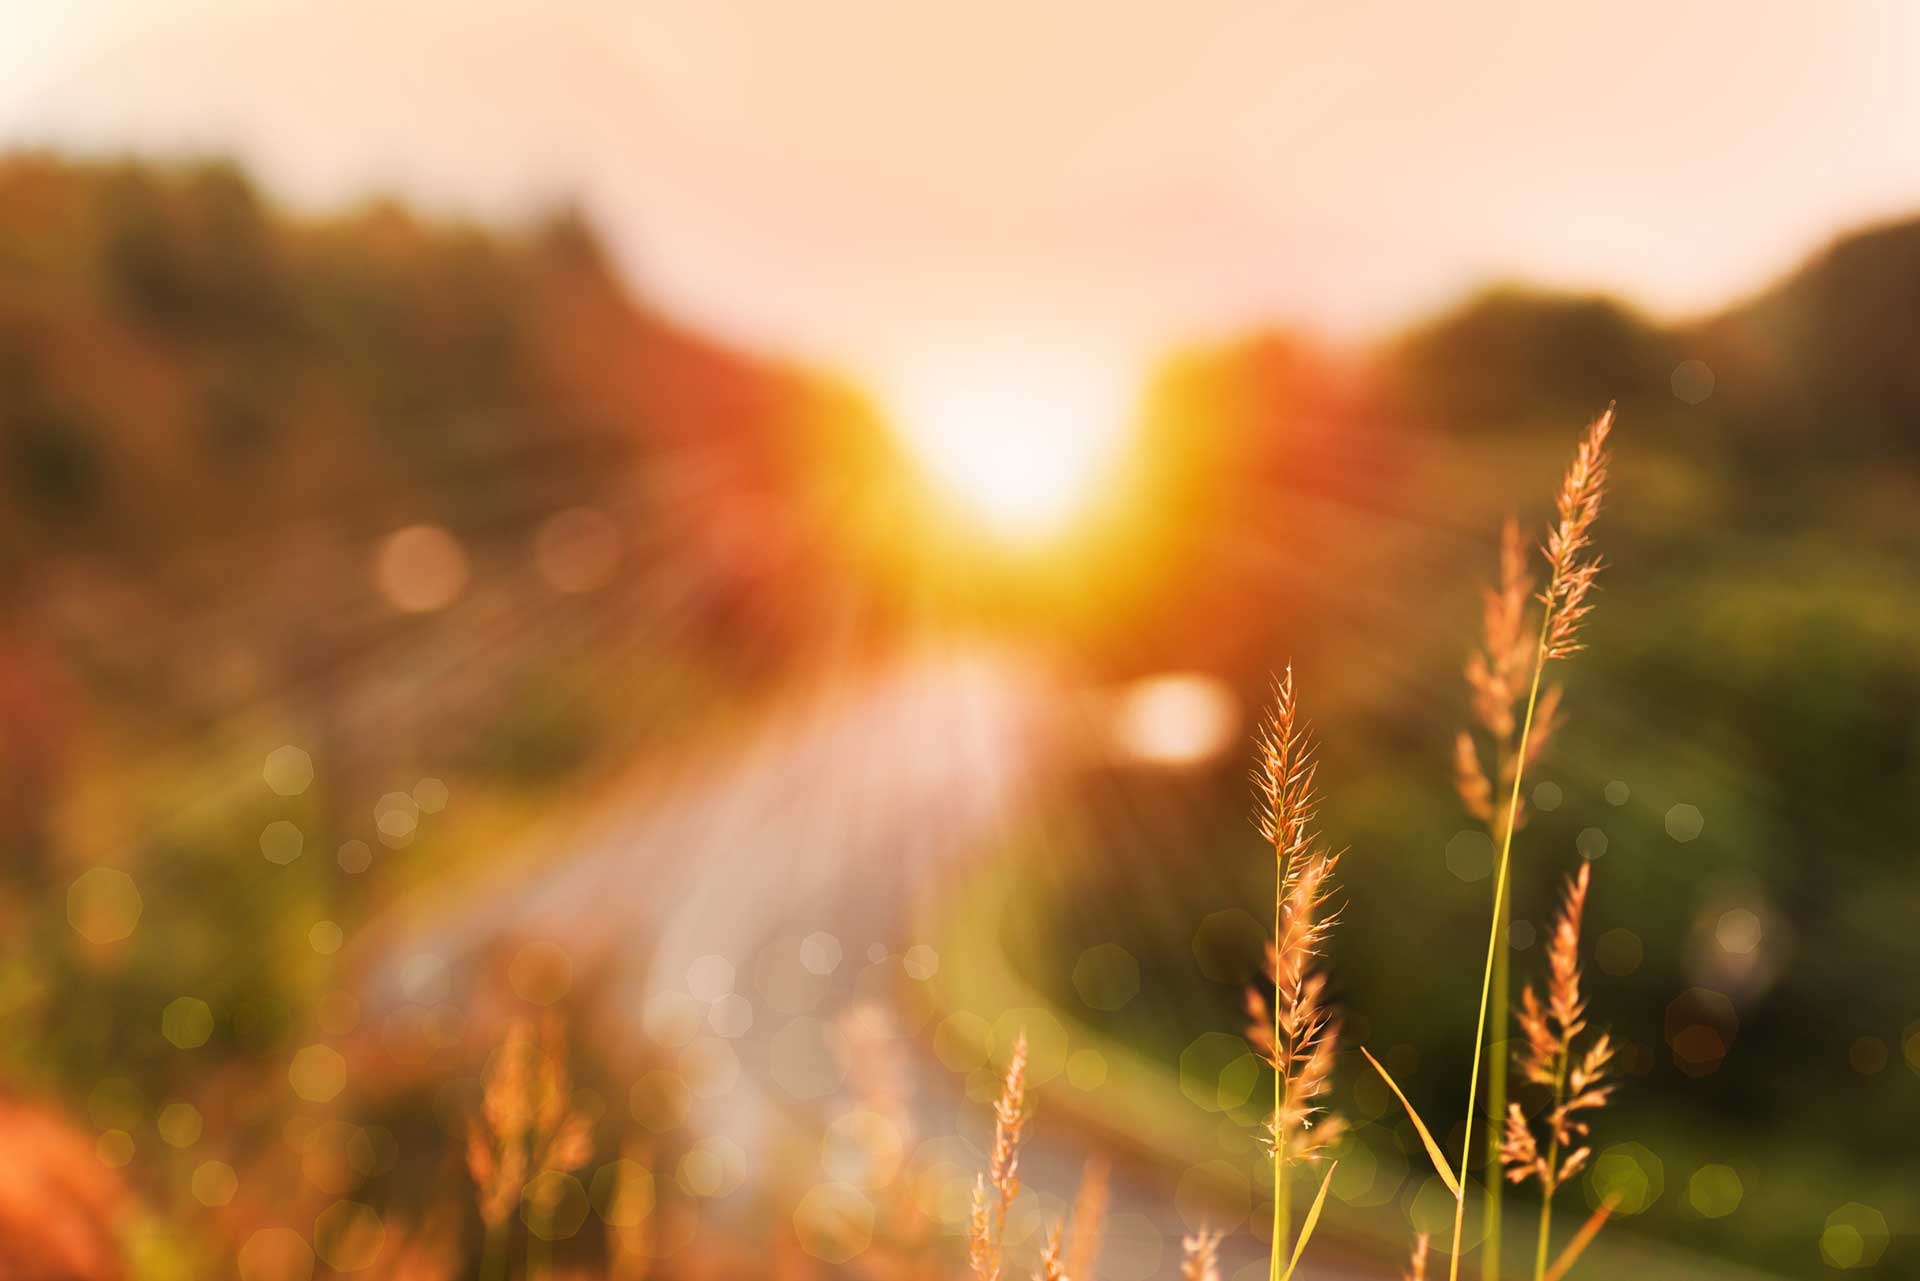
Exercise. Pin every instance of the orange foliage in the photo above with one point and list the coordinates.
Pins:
(59, 1205)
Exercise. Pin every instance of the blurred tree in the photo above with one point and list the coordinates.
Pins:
(1515, 356)
(1830, 359)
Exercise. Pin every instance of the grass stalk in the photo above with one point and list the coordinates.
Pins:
(1540, 1249)
(1553, 1165)
(1500, 907)
(1582, 1239)
(1282, 1217)
(1497, 1089)
(493, 1255)
(1282, 1190)
(1546, 1230)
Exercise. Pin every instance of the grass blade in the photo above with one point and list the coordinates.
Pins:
(1426, 1136)
(1313, 1218)
(1581, 1240)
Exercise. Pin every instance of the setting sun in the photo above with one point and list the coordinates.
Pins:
(1021, 440)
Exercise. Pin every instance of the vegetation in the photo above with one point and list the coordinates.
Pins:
(342, 484)
(1294, 1033)
(1292, 1030)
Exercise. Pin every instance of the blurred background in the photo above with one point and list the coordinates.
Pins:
(752, 540)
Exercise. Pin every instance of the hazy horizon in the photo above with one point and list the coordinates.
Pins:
(873, 185)
(974, 213)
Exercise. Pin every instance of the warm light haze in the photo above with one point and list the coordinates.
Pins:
(959, 640)
(1021, 437)
(1082, 185)
(865, 181)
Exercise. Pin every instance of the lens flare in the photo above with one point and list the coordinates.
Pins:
(1021, 440)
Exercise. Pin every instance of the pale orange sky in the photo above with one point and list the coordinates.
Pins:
(883, 181)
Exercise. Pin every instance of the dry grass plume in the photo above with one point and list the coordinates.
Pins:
(1297, 1033)
(1417, 1265)
(994, 1191)
(1200, 1259)
(527, 1125)
(1552, 1057)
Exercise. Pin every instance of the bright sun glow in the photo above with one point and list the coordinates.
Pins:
(1023, 439)
(1180, 718)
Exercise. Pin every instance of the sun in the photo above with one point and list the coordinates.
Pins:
(1023, 441)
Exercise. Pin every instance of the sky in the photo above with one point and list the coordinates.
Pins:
(906, 188)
